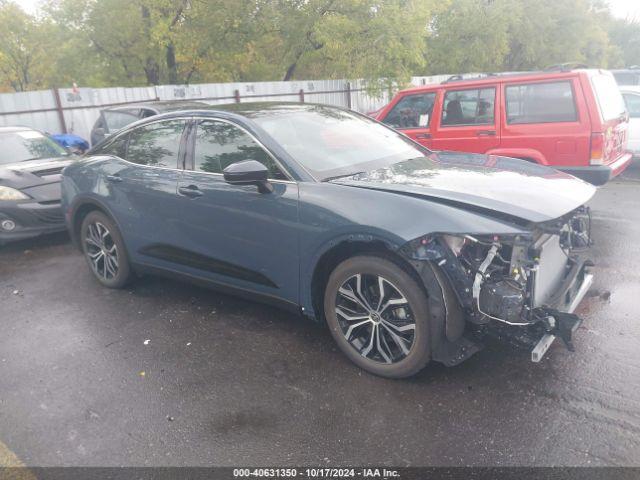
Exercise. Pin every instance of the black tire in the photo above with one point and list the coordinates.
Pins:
(417, 347)
(101, 264)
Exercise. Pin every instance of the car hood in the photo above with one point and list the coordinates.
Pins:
(507, 186)
(21, 175)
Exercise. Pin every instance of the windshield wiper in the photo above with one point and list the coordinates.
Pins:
(328, 179)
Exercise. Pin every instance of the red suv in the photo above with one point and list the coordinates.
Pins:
(575, 121)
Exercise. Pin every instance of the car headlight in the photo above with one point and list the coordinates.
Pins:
(7, 193)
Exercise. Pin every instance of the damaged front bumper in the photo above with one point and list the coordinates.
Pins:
(563, 323)
(522, 289)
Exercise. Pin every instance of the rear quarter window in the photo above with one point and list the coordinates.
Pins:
(550, 102)
(608, 96)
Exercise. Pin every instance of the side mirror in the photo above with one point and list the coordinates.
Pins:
(248, 172)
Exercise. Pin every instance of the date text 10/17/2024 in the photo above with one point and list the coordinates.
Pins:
(338, 473)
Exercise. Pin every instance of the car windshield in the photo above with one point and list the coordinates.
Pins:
(331, 143)
(27, 145)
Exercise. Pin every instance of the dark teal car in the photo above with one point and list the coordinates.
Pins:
(407, 254)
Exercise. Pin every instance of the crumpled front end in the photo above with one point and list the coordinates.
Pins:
(520, 288)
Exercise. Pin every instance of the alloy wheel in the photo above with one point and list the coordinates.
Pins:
(375, 318)
(101, 251)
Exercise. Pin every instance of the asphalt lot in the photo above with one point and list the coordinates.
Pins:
(223, 381)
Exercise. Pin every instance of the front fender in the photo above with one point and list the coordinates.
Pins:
(331, 214)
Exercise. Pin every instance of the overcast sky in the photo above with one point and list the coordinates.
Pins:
(620, 8)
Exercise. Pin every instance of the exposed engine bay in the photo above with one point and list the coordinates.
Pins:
(521, 288)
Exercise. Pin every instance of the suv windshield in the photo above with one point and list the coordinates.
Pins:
(609, 98)
(28, 145)
(330, 142)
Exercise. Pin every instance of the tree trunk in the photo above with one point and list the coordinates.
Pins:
(289, 75)
(172, 65)
(152, 72)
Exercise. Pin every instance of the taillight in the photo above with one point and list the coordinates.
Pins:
(597, 149)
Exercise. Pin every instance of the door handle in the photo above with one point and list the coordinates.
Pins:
(486, 133)
(114, 178)
(423, 136)
(190, 191)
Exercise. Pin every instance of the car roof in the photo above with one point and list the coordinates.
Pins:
(492, 78)
(162, 106)
(14, 129)
(249, 110)
(257, 109)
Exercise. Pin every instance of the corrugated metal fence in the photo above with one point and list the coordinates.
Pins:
(76, 110)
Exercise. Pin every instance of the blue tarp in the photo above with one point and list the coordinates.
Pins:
(69, 140)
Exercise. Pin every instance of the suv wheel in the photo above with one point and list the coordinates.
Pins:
(104, 250)
(378, 315)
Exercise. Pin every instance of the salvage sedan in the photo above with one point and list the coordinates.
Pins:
(408, 255)
(30, 168)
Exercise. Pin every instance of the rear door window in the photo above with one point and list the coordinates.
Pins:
(157, 144)
(609, 97)
(633, 104)
(541, 103)
(412, 111)
(469, 107)
(117, 119)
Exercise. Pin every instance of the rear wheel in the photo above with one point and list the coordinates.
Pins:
(104, 250)
(378, 315)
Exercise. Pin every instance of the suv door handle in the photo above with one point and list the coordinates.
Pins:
(114, 178)
(423, 136)
(486, 133)
(190, 191)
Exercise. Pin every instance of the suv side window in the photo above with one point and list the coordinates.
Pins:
(549, 102)
(412, 111)
(157, 144)
(469, 107)
(219, 144)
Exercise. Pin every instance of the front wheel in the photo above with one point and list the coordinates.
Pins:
(378, 315)
(104, 250)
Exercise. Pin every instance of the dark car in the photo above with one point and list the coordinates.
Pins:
(113, 119)
(628, 77)
(408, 255)
(30, 170)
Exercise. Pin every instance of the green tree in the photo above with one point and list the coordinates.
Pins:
(24, 56)
(625, 37)
(511, 35)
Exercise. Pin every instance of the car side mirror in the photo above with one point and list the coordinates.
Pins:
(248, 172)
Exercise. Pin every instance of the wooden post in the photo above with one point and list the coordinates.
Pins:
(56, 97)
(301, 93)
(236, 94)
(349, 95)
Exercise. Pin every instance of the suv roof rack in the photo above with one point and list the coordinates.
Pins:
(462, 78)
(565, 67)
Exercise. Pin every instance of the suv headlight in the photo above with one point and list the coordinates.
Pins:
(7, 193)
